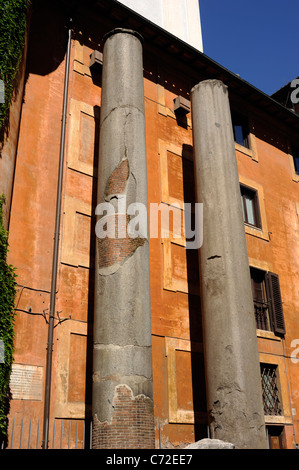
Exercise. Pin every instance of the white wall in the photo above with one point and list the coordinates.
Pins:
(180, 17)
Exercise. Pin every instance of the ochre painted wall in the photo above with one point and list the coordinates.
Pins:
(178, 365)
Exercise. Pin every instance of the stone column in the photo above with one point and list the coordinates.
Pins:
(234, 395)
(122, 369)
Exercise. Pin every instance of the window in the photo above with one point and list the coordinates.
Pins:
(270, 389)
(267, 301)
(261, 307)
(275, 437)
(250, 206)
(240, 129)
(295, 154)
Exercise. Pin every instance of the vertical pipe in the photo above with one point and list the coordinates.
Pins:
(54, 427)
(160, 445)
(69, 439)
(83, 445)
(76, 434)
(234, 393)
(122, 324)
(90, 435)
(289, 387)
(29, 437)
(55, 252)
(61, 434)
(37, 437)
(21, 435)
(12, 433)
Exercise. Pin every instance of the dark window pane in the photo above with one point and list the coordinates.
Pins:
(295, 153)
(238, 134)
(241, 129)
(275, 436)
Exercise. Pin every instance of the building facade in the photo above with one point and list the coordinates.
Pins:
(153, 342)
(180, 18)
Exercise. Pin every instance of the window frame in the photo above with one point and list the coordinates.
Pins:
(277, 396)
(261, 304)
(293, 152)
(295, 155)
(237, 110)
(278, 432)
(256, 206)
(250, 229)
(271, 302)
(279, 361)
(242, 121)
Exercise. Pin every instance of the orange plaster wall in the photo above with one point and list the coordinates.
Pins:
(175, 314)
(32, 232)
(273, 171)
(176, 318)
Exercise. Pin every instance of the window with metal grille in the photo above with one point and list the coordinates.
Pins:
(270, 387)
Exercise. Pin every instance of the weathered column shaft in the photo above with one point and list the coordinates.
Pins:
(122, 378)
(234, 395)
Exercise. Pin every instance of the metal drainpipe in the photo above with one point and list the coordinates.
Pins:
(55, 252)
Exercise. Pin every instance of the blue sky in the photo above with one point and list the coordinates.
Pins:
(257, 39)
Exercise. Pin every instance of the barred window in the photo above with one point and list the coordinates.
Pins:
(270, 387)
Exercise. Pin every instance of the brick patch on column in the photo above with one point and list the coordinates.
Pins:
(131, 426)
(116, 183)
(113, 251)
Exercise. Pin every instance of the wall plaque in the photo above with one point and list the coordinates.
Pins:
(26, 382)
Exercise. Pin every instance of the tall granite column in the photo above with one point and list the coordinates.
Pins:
(234, 395)
(122, 370)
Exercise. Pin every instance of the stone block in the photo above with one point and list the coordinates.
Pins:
(210, 444)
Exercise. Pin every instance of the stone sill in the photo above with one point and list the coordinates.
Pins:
(256, 232)
(267, 335)
(270, 419)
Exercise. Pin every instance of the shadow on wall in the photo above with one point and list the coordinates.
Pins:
(195, 317)
(47, 48)
(91, 279)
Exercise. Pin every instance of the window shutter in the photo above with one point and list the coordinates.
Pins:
(275, 303)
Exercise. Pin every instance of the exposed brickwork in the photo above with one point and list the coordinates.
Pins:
(116, 183)
(132, 423)
(112, 251)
